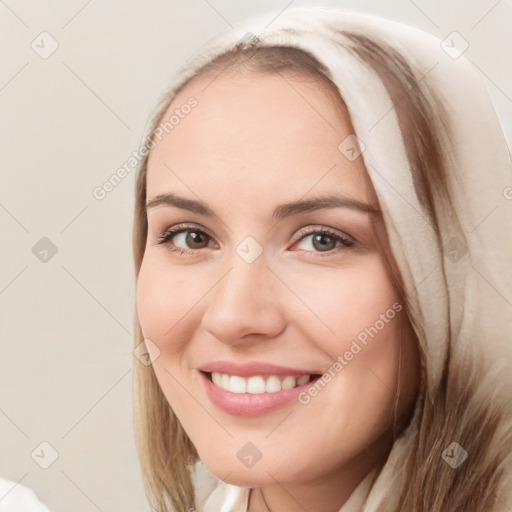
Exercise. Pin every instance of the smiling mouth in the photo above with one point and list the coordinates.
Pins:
(258, 384)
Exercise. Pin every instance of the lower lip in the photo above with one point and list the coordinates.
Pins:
(247, 404)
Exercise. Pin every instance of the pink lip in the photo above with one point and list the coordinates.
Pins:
(252, 369)
(248, 405)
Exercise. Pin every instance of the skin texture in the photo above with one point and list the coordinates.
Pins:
(254, 142)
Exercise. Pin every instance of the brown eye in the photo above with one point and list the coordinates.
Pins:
(196, 239)
(182, 239)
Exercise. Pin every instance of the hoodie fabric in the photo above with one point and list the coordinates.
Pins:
(461, 290)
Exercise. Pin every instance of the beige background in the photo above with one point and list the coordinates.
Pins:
(68, 122)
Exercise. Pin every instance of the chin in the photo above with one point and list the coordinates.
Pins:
(234, 472)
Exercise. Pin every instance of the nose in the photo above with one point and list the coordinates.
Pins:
(245, 304)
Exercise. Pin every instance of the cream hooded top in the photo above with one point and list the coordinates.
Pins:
(461, 291)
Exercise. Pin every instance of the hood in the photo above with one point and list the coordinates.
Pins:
(457, 275)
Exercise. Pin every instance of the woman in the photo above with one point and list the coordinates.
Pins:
(322, 281)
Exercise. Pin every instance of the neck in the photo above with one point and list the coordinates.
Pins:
(328, 494)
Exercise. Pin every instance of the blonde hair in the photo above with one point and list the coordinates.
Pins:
(165, 450)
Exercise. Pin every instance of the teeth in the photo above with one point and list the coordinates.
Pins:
(237, 384)
(288, 383)
(257, 385)
(302, 380)
(273, 384)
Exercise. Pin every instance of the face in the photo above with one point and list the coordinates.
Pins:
(294, 315)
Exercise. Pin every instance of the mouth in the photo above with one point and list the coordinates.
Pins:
(258, 384)
(256, 395)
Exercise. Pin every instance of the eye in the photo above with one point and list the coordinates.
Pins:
(192, 236)
(323, 240)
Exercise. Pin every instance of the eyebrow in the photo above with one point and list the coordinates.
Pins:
(280, 212)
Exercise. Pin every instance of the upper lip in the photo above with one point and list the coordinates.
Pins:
(251, 369)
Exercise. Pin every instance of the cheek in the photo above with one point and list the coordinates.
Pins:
(362, 317)
(150, 301)
(163, 300)
(351, 300)
(164, 312)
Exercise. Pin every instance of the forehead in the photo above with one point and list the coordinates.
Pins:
(253, 134)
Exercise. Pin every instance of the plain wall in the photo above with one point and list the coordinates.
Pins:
(68, 122)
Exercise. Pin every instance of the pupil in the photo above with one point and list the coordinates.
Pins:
(321, 237)
(194, 238)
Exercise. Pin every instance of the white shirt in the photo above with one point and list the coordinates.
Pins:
(18, 498)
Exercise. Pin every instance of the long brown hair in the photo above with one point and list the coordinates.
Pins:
(456, 412)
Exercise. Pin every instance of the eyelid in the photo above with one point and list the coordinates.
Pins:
(322, 229)
(177, 228)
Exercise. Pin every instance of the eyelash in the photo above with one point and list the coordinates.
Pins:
(166, 236)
